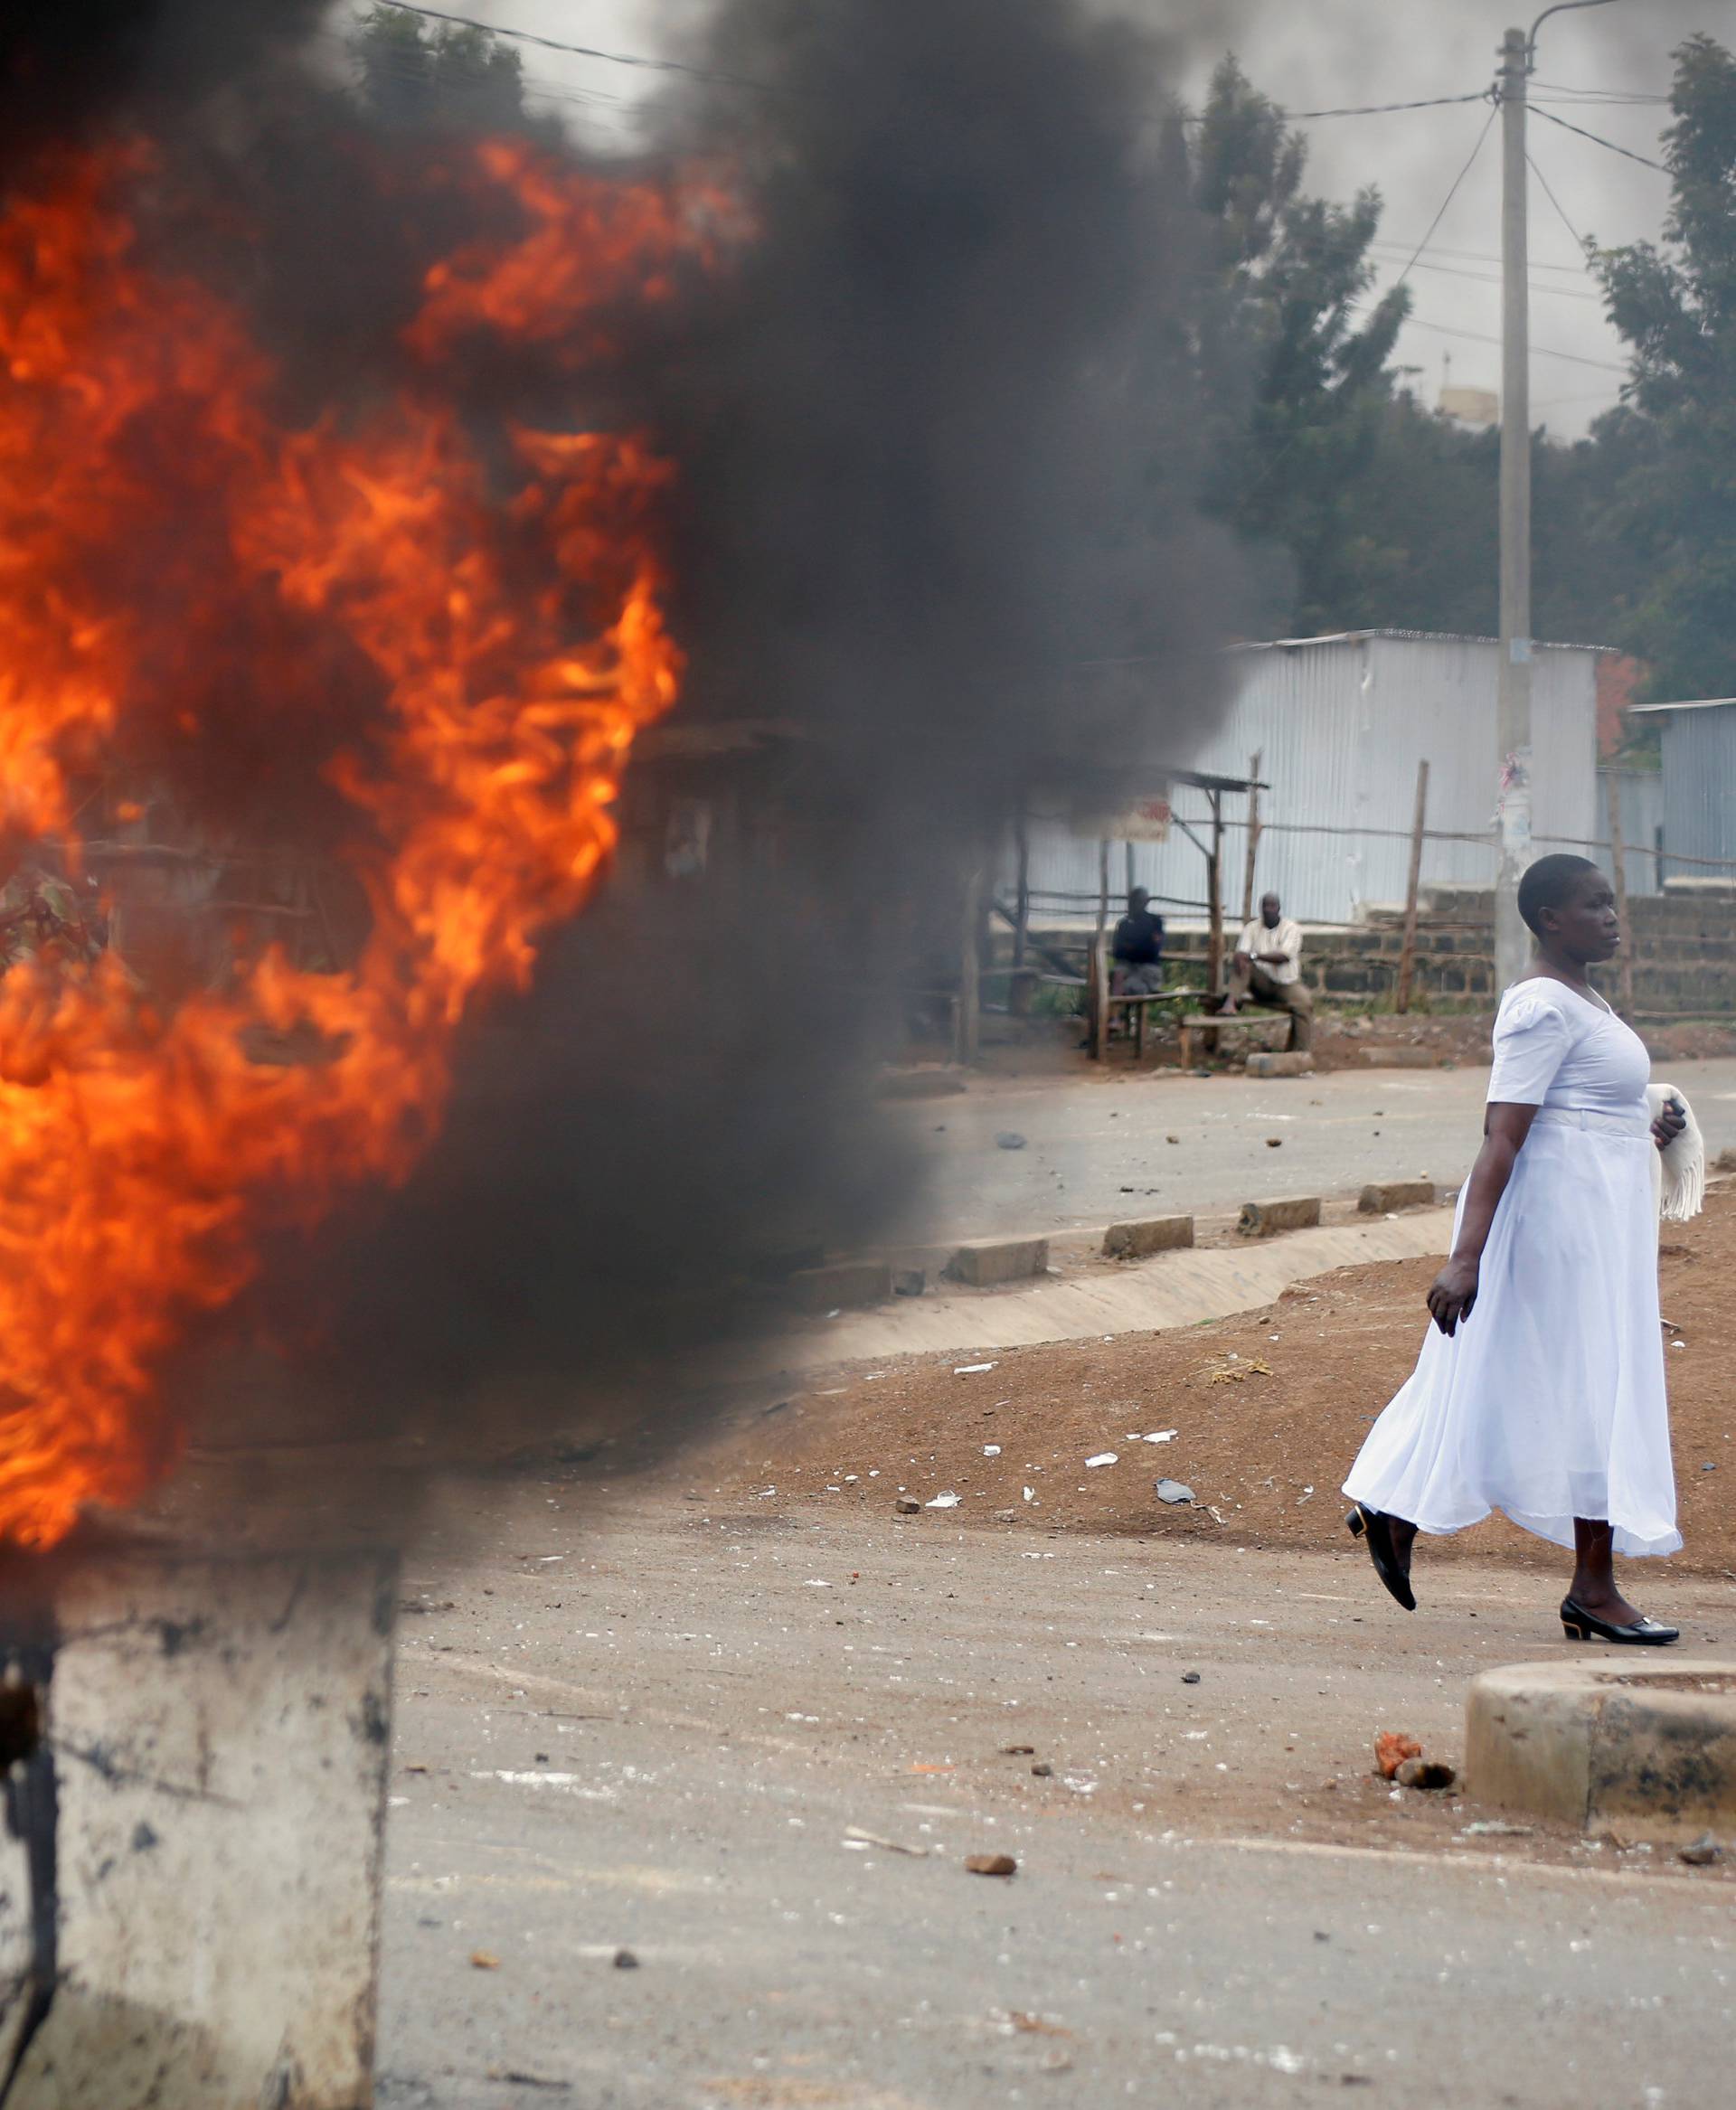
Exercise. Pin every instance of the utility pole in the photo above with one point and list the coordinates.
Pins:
(1513, 695)
(1512, 698)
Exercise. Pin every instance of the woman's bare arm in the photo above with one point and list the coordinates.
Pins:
(1453, 1291)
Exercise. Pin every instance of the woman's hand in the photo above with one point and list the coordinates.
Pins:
(1452, 1294)
(1669, 1124)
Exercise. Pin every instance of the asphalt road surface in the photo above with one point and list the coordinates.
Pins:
(627, 1722)
(1097, 1150)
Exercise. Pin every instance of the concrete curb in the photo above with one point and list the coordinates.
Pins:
(1379, 1196)
(998, 1260)
(1642, 1743)
(1153, 1234)
(1260, 1220)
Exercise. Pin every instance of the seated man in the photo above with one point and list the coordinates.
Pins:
(1137, 950)
(1267, 966)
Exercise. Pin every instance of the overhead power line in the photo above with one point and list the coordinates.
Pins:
(1579, 239)
(1596, 139)
(1538, 351)
(524, 36)
(1451, 195)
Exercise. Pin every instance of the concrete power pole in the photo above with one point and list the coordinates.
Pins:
(1513, 701)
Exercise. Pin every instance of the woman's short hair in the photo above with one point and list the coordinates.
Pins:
(1547, 884)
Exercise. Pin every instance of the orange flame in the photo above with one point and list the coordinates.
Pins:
(142, 1150)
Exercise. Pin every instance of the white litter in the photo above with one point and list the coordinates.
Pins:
(1030, 1494)
(969, 1369)
(1102, 1458)
(991, 1450)
(1162, 1435)
(943, 1502)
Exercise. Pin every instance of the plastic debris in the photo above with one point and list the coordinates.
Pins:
(970, 1370)
(943, 1502)
(991, 1450)
(1173, 1490)
(1102, 1458)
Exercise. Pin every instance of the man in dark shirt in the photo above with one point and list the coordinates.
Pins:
(1137, 949)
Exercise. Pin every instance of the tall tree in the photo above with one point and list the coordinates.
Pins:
(416, 71)
(1675, 303)
(1285, 326)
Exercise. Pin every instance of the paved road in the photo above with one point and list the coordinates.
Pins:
(654, 1726)
(1096, 1149)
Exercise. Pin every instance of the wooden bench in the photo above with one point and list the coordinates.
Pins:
(1200, 1030)
(1139, 1009)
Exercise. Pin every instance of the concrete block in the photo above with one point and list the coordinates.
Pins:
(1000, 1261)
(1404, 1058)
(189, 1912)
(1292, 1062)
(1155, 1234)
(843, 1286)
(1645, 1747)
(1379, 1196)
(1260, 1220)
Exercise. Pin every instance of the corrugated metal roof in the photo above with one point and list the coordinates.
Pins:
(1411, 636)
(1705, 703)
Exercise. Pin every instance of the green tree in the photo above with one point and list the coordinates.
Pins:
(416, 72)
(1675, 303)
(1294, 371)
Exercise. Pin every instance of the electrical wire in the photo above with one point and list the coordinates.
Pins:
(1402, 248)
(1448, 200)
(1538, 351)
(1484, 278)
(1584, 246)
(1627, 153)
(581, 51)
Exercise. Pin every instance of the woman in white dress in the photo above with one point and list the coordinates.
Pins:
(1540, 1387)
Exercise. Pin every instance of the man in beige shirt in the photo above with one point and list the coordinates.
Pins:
(1267, 966)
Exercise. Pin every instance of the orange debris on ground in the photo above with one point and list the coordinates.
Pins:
(1391, 1748)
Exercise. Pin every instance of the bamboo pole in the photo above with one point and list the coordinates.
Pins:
(1619, 868)
(1021, 906)
(1254, 761)
(970, 968)
(1407, 951)
(1214, 894)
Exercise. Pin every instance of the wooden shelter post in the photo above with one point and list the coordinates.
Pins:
(1253, 836)
(1408, 949)
(1214, 893)
(1618, 872)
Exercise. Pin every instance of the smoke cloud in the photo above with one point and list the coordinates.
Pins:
(935, 451)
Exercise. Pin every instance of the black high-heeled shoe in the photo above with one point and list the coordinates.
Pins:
(1579, 1624)
(1376, 1527)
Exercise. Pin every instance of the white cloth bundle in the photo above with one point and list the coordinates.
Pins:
(1679, 1171)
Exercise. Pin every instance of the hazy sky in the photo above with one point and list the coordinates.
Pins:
(1350, 51)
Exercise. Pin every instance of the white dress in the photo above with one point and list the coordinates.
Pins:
(1548, 1403)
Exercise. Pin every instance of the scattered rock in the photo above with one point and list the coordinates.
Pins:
(1041, 1770)
(1009, 1139)
(1391, 1748)
(625, 1960)
(484, 1960)
(1177, 1139)
(1274, 1143)
(1190, 1677)
(991, 1864)
(1173, 1490)
(910, 1282)
(1427, 1773)
(906, 1505)
(1703, 1853)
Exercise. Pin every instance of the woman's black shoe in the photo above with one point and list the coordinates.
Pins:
(1579, 1624)
(1376, 1526)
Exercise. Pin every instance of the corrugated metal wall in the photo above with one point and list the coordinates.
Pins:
(1699, 787)
(1340, 725)
(1642, 817)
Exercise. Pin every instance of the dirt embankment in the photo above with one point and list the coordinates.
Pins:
(1267, 1411)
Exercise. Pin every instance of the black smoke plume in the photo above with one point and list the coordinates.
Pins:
(936, 471)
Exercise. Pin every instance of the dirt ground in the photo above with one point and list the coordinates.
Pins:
(1052, 1047)
(1267, 1411)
